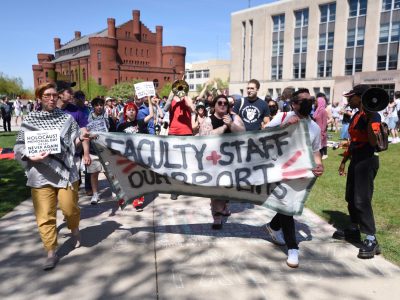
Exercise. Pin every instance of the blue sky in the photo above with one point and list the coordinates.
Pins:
(28, 27)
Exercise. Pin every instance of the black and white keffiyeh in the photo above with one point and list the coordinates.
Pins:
(63, 162)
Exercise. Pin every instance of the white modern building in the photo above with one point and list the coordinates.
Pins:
(322, 45)
(198, 73)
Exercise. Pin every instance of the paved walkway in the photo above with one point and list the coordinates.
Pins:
(168, 251)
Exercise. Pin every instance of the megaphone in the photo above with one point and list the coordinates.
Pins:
(375, 99)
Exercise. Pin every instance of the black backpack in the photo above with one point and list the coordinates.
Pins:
(383, 138)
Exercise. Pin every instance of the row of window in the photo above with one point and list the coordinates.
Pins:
(198, 74)
(136, 62)
(128, 35)
(130, 52)
(278, 91)
(72, 50)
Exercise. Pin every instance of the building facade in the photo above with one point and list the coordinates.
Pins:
(116, 54)
(198, 73)
(323, 45)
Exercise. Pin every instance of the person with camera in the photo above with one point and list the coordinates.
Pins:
(364, 165)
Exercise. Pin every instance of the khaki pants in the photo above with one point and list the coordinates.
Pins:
(45, 204)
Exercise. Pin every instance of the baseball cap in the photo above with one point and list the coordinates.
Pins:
(357, 90)
(200, 104)
(64, 85)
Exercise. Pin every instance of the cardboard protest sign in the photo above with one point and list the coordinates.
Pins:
(144, 89)
(97, 125)
(270, 167)
(42, 141)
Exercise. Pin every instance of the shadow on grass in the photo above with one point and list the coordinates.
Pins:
(13, 189)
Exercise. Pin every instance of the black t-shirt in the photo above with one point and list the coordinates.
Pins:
(216, 123)
(252, 112)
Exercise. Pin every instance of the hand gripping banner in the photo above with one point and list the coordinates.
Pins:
(271, 167)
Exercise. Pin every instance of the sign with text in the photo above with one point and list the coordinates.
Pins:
(97, 125)
(144, 89)
(271, 167)
(42, 141)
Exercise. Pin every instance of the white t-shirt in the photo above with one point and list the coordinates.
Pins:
(314, 130)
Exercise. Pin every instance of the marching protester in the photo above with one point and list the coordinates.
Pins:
(321, 118)
(131, 125)
(273, 108)
(198, 117)
(52, 177)
(97, 121)
(222, 121)
(180, 118)
(252, 110)
(364, 165)
(282, 227)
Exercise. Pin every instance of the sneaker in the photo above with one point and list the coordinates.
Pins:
(324, 156)
(369, 249)
(95, 199)
(139, 208)
(276, 236)
(349, 235)
(174, 196)
(217, 224)
(293, 258)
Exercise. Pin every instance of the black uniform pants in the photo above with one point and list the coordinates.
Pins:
(359, 191)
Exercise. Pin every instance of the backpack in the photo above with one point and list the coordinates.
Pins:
(383, 138)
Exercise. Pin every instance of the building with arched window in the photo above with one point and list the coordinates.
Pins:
(116, 54)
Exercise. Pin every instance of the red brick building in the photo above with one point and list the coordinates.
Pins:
(116, 54)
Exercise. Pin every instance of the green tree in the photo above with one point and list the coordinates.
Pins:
(10, 86)
(124, 90)
(166, 89)
(221, 85)
(92, 89)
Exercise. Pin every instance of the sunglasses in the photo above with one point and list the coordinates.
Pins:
(222, 103)
(298, 101)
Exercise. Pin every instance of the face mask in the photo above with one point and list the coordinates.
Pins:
(305, 108)
(273, 111)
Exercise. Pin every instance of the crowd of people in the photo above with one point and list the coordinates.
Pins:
(58, 176)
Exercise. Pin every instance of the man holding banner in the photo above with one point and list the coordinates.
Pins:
(301, 104)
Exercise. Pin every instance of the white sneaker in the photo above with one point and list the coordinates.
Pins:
(276, 236)
(95, 199)
(324, 156)
(293, 258)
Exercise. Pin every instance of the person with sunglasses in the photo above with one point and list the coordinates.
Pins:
(252, 110)
(220, 122)
(282, 227)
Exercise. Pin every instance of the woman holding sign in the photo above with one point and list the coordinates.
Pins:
(51, 175)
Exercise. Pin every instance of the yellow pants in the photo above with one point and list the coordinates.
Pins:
(45, 205)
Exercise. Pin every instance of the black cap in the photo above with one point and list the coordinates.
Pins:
(64, 85)
(357, 90)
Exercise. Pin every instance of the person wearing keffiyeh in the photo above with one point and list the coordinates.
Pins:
(52, 176)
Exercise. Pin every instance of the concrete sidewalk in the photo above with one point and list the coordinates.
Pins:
(168, 251)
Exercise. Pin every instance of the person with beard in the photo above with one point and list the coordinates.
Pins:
(282, 227)
(252, 110)
(222, 121)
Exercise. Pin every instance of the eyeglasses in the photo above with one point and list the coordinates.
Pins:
(222, 103)
(49, 95)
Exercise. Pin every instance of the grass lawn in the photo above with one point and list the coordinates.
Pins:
(327, 198)
(13, 188)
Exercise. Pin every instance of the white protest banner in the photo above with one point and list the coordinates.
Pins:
(144, 89)
(97, 125)
(42, 141)
(270, 167)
